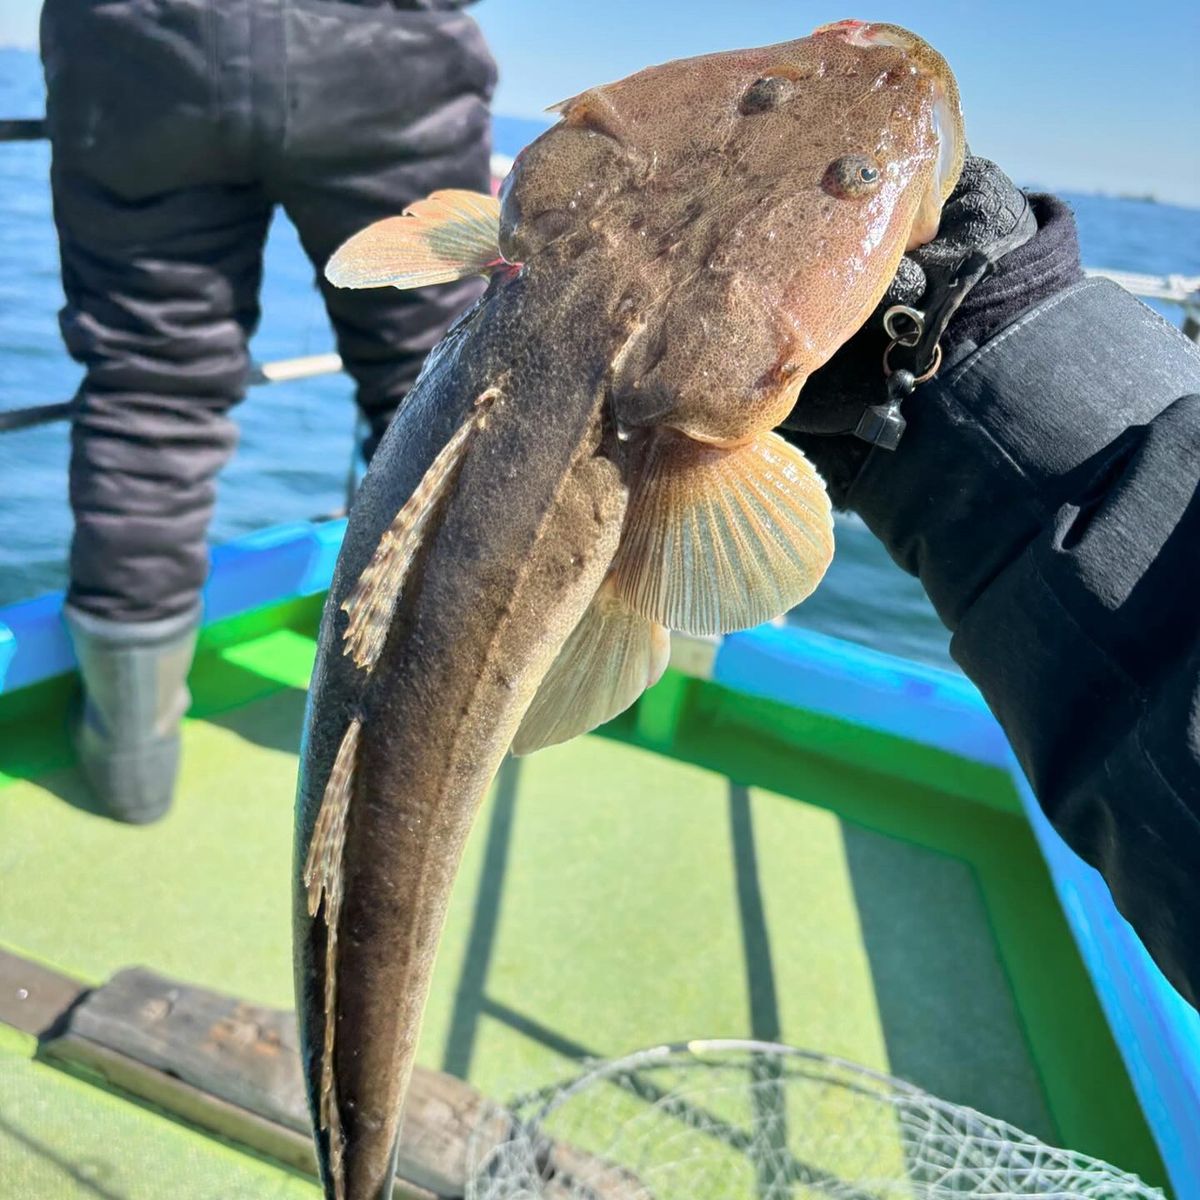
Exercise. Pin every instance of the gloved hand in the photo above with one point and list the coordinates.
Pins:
(986, 211)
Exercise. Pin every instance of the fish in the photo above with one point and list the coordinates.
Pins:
(586, 462)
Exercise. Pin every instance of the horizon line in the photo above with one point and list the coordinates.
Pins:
(541, 118)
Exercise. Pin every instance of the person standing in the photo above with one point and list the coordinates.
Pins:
(176, 128)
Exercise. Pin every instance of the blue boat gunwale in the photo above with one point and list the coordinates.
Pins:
(1156, 1031)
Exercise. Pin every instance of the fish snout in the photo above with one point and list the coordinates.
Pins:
(870, 33)
(943, 106)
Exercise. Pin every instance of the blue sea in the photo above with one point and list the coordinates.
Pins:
(297, 438)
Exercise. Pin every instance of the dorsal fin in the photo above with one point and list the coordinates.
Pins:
(372, 601)
(448, 235)
(323, 879)
(721, 539)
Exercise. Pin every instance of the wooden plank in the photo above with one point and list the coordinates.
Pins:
(242, 1053)
(284, 370)
(33, 997)
(234, 1068)
(183, 1101)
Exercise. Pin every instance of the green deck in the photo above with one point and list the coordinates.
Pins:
(767, 878)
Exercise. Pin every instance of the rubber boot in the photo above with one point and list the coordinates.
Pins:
(135, 694)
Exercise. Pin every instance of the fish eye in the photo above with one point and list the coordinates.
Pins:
(852, 177)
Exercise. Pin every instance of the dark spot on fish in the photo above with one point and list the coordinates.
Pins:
(552, 224)
(765, 94)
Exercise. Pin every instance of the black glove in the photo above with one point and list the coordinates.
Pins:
(987, 224)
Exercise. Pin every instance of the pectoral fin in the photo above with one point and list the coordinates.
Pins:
(721, 539)
(449, 235)
(610, 658)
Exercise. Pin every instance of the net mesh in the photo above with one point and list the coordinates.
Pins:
(726, 1120)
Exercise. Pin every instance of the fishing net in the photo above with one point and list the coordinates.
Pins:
(732, 1119)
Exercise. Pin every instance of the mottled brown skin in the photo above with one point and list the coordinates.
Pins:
(519, 551)
(703, 183)
(683, 266)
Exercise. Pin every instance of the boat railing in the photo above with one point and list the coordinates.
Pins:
(281, 370)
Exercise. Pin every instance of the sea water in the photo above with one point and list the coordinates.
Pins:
(297, 439)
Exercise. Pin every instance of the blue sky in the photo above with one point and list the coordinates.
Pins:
(1100, 96)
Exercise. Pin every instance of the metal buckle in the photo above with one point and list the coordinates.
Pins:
(925, 376)
(904, 337)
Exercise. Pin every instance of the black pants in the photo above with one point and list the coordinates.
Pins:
(177, 125)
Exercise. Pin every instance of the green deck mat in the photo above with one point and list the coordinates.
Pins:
(610, 898)
(63, 1139)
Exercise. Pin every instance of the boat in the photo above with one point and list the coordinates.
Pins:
(790, 837)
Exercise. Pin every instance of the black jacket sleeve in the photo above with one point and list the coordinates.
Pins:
(1046, 494)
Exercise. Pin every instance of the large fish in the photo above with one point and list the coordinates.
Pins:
(585, 463)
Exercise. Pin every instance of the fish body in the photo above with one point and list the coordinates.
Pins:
(509, 571)
(585, 462)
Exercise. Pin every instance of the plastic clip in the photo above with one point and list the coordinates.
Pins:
(883, 425)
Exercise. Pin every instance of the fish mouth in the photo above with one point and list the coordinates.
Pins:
(871, 33)
(946, 111)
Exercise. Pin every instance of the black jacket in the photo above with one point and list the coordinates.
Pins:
(1046, 495)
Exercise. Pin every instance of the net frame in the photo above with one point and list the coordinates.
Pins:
(895, 1141)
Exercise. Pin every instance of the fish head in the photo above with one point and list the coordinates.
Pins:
(750, 207)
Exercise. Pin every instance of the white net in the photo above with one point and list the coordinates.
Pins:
(723, 1120)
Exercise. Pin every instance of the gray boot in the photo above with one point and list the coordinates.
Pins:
(135, 694)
